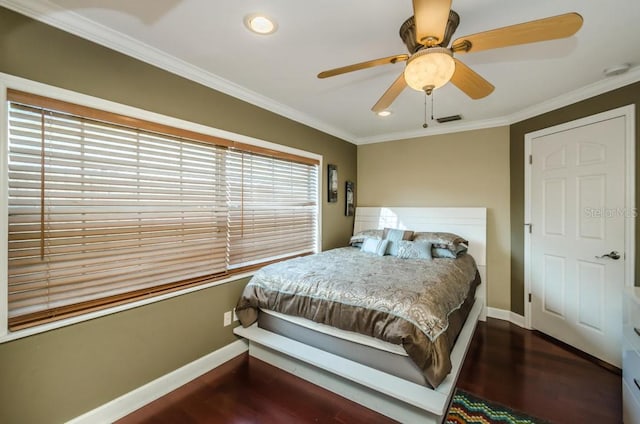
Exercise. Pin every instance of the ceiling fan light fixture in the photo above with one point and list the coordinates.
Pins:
(384, 113)
(429, 69)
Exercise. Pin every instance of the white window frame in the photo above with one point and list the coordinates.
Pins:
(21, 84)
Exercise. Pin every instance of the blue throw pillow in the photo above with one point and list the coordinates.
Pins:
(376, 246)
(394, 236)
(414, 249)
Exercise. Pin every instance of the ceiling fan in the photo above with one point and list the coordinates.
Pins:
(430, 63)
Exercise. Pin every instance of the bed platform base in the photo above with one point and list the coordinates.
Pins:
(391, 396)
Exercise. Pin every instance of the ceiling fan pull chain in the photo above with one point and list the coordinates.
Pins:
(432, 108)
(426, 93)
(425, 110)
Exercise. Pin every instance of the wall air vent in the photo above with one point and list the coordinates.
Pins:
(449, 119)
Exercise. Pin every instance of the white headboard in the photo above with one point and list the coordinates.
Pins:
(470, 223)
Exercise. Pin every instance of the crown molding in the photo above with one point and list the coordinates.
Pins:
(583, 93)
(435, 130)
(69, 21)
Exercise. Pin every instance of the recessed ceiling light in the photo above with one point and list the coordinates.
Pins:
(260, 24)
(384, 113)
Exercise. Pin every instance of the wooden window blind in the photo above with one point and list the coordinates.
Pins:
(103, 213)
(273, 207)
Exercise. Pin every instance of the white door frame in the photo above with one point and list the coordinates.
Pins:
(630, 194)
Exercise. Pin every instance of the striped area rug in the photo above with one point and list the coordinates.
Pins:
(468, 409)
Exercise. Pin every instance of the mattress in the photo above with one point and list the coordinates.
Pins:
(369, 351)
(336, 332)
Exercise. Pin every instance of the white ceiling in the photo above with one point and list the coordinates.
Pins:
(206, 40)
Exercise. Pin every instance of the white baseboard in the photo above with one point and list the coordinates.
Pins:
(512, 317)
(136, 399)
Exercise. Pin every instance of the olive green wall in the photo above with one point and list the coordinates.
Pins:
(611, 100)
(461, 169)
(57, 375)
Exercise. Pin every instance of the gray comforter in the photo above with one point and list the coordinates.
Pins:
(401, 301)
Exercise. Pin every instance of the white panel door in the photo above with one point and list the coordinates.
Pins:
(578, 215)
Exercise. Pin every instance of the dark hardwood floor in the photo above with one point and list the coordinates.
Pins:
(506, 364)
(530, 372)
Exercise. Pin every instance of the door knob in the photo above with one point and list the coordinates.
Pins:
(613, 255)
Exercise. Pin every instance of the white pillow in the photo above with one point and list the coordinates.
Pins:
(377, 246)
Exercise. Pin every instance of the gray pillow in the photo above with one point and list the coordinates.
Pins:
(442, 252)
(447, 240)
(358, 238)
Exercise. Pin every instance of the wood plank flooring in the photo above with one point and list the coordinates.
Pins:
(528, 371)
(506, 364)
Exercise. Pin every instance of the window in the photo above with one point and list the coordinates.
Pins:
(105, 209)
(272, 204)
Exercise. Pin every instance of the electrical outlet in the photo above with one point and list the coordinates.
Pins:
(235, 317)
(227, 318)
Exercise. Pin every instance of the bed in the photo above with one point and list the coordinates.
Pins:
(403, 364)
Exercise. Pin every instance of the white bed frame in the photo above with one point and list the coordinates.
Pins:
(392, 396)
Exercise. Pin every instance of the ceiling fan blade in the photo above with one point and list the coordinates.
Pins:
(469, 81)
(551, 28)
(390, 95)
(363, 65)
(431, 17)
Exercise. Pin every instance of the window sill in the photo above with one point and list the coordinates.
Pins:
(15, 335)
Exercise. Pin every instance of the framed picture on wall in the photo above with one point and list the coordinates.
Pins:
(332, 172)
(350, 196)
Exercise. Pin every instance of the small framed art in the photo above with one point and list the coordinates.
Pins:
(350, 196)
(332, 172)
